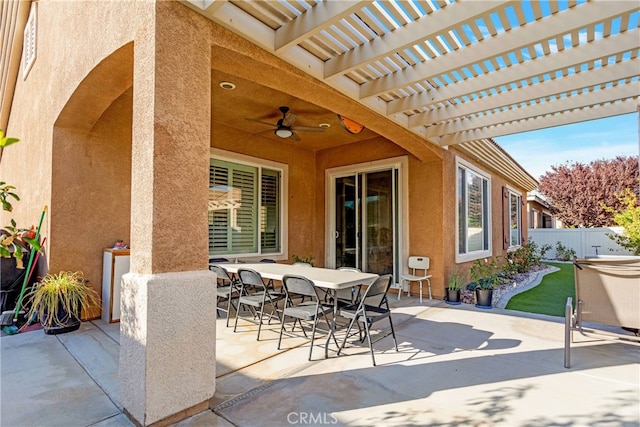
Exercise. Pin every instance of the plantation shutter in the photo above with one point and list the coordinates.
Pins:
(270, 211)
(233, 219)
(523, 212)
(506, 220)
(218, 209)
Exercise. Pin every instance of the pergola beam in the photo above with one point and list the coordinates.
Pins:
(580, 81)
(541, 109)
(558, 119)
(553, 26)
(610, 46)
(413, 33)
(322, 15)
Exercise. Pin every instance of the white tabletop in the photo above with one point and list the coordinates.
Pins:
(321, 277)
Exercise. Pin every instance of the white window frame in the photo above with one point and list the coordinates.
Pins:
(400, 163)
(471, 256)
(514, 192)
(243, 159)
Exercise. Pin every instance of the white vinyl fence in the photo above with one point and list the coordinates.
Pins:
(585, 241)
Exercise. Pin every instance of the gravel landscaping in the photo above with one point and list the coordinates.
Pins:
(521, 283)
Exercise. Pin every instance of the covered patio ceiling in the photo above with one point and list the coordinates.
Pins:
(456, 72)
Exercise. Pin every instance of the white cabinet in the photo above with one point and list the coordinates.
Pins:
(115, 264)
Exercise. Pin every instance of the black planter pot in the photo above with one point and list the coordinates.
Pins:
(63, 324)
(11, 279)
(484, 298)
(453, 296)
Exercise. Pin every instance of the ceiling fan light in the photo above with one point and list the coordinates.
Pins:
(283, 133)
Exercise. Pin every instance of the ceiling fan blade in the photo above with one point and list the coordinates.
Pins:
(294, 137)
(289, 119)
(264, 132)
(260, 121)
(308, 128)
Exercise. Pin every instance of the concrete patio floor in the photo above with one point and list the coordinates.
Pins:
(457, 365)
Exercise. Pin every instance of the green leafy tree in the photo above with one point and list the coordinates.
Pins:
(629, 219)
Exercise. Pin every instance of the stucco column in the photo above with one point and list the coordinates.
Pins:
(167, 332)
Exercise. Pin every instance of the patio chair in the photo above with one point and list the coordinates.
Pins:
(227, 290)
(255, 296)
(308, 311)
(418, 272)
(607, 293)
(373, 306)
(349, 295)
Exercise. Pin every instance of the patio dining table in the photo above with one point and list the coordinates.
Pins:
(325, 278)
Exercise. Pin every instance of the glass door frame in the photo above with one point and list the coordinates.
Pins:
(400, 164)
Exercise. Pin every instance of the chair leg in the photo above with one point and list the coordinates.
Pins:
(393, 333)
(313, 335)
(366, 327)
(429, 287)
(281, 330)
(347, 334)
(420, 291)
(229, 305)
(235, 324)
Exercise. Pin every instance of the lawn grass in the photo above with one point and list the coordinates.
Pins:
(550, 296)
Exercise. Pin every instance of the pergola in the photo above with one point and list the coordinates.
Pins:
(456, 72)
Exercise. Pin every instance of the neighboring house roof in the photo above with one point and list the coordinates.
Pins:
(535, 197)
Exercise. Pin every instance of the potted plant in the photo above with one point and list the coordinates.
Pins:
(16, 245)
(303, 260)
(57, 301)
(453, 288)
(486, 278)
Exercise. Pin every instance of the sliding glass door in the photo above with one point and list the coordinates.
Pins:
(366, 221)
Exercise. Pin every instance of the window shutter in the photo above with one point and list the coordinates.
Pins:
(270, 211)
(523, 214)
(244, 238)
(233, 192)
(218, 209)
(506, 228)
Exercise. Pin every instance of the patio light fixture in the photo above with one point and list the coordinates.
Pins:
(283, 132)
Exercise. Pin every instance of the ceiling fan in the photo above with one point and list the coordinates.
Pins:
(284, 126)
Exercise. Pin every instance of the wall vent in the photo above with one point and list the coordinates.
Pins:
(29, 42)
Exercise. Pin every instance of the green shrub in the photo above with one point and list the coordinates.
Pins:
(485, 274)
(563, 253)
(629, 219)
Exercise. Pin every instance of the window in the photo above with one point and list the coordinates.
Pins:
(474, 223)
(514, 207)
(245, 213)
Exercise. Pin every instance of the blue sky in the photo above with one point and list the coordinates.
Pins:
(537, 151)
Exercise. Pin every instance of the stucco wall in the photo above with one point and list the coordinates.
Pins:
(72, 170)
(302, 195)
(449, 202)
(94, 137)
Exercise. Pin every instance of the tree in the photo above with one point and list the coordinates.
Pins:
(576, 191)
(629, 219)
